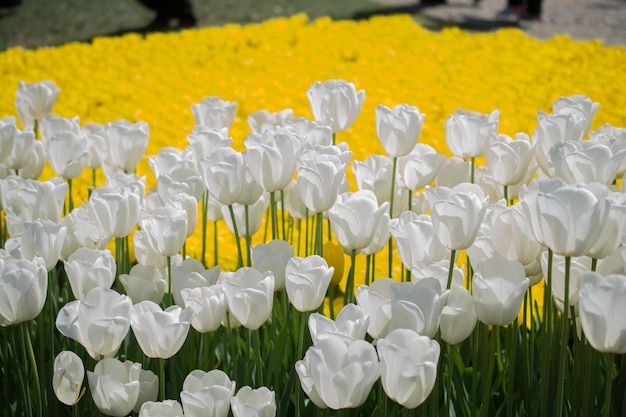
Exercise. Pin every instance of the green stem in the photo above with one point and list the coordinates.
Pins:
(591, 380)
(119, 262)
(475, 341)
(506, 194)
(390, 257)
(608, 385)
(274, 215)
(349, 295)
(126, 255)
(306, 232)
(303, 321)
(28, 348)
(248, 238)
(563, 346)
(282, 213)
(259, 360)
(330, 231)
(162, 379)
(232, 345)
(513, 333)
(236, 232)
(268, 215)
(205, 210)
(489, 340)
(499, 363)
(373, 268)
(331, 301)
(594, 264)
(528, 347)
(368, 261)
(547, 337)
(319, 231)
(215, 243)
(451, 269)
(472, 169)
(22, 370)
(391, 201)
(274, 354)
(70, 198)
(623, 396)
(169, 282)
(470, 275)
(450, 349)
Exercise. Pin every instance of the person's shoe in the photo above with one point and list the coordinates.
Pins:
(511, 11)
(10, 3)
(185, 21)
(167, 23)
(431, 2)
(530, 17)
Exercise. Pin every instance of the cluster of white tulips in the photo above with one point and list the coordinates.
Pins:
(544, 212)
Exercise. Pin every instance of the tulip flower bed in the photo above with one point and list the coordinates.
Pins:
(182, 240)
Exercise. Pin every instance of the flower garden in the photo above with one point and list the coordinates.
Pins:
(313, 218)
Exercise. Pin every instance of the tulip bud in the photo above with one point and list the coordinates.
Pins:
(67, 380)
(250, 402)
(208, 305)
(100, 322)
(67, 154)
(307, 280)
(214, 113)
(127, 143)
(207, 393)
(600, 307)
(419, 167)
(144, 283)
(458, 317)
(166, 230)
(350, 324)
(468, 133)
(160, 333)
(35, 100)
(166, 408)
(355, 217)
(335, 102)
(273, 257)
(408, 366)
(250, 296)
(499, 286)
(336, 374)
(114, 386)
(88, 268)
(23, 290)
(399, 128)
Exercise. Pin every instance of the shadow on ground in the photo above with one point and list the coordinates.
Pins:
(463, 21)
(38, 23)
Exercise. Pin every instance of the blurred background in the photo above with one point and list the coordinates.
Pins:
(52, 22)
(34, 23)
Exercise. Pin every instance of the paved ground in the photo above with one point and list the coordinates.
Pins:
(581, 19)
(52, 22)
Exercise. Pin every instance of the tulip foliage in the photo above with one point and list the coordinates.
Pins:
(506, 297)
